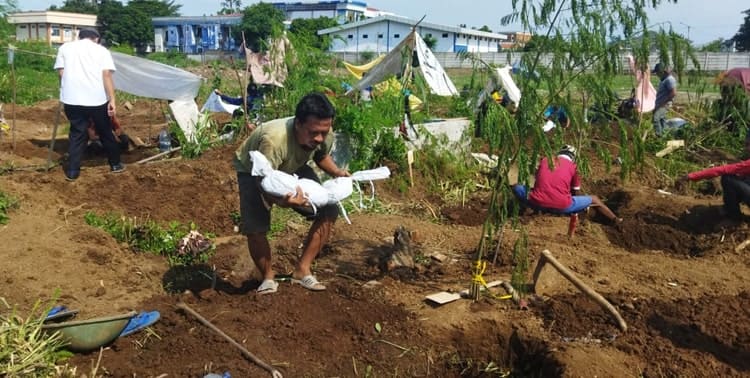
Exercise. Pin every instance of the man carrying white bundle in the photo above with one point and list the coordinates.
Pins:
(288, 144)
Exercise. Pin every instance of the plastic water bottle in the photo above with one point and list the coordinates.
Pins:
(165, 141)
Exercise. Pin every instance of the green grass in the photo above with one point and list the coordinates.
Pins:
(7, 203)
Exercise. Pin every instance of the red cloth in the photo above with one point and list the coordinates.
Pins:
(740, 169)
(553, 188)
(738, 76)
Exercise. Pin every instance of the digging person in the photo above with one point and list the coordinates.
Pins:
(558, 188)
(289, 144)
(735, 185)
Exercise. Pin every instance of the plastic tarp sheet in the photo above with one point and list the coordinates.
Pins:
(359, 71)
(146, 78)
(433, 73)
(509, 85)
(215, 104)
(143, 77)
(738, 76)
(268, 68)
(645, 93)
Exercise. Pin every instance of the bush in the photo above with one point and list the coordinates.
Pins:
(6, 203)
(25, 350)
(148, 236)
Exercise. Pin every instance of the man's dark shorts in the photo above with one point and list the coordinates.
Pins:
(256, 213)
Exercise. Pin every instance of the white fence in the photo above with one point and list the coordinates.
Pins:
(707, 61)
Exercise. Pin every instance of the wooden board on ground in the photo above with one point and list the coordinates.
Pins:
(671, 146)
(444, 297)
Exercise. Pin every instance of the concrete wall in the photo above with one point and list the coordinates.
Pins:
(708, 61)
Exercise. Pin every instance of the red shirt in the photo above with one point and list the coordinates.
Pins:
(553, 187)
(740, 169)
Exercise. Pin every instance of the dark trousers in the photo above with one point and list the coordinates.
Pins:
(79, 117)
(736, 190)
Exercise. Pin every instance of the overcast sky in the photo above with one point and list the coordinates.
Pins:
(705, 20)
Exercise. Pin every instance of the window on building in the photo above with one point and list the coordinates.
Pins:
(380, 36)
(397, 35)
(350, 36)
(22, 26)
(364, 36)
(445, 35)
(55, 31)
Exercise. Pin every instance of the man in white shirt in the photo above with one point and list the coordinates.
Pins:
(87, 93)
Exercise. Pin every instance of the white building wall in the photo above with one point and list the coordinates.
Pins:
(381, 37)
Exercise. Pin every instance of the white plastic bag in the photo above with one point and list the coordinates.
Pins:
(370, 175)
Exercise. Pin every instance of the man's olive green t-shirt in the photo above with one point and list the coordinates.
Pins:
(275, 139)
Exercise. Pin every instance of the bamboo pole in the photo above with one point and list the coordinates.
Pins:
(548, 258)
(158, 155)
(275, 373)
(54, 136)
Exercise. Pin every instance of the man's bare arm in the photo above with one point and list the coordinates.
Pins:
(109, 88)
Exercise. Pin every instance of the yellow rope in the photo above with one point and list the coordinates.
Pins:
(479, 268)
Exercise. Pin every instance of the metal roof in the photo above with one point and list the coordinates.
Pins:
(411, 22)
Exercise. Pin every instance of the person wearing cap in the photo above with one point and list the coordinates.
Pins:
(557, 188)
(664, 95)
(87, 92)
(735, 184)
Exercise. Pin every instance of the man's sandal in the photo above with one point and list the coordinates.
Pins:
(267, 287)
(309, 282)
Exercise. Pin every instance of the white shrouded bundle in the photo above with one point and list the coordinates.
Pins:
(279, 184)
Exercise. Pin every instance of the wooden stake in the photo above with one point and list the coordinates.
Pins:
(548, 258)
(13, 112)
(410, 161)
(54, 136)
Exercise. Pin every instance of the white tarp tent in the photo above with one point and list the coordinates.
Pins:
(436, 78)
(146, 78)
(502, 78)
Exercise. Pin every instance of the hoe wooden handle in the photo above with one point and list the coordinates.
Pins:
(275, 373)
(547, 257)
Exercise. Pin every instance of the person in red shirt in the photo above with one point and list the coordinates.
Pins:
(121, 138)
(735, 183)
(557, 190)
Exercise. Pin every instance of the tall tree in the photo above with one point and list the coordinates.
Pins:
(77, 6)
(574, 62)
(742, 38)
(7, 29)
(156, 8)
(131, 24)
(260, 22)
(714, 46)
(307, 29)
(231, 6)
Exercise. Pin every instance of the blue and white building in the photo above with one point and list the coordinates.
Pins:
(343, 11)
(194, 35)
(383, 33)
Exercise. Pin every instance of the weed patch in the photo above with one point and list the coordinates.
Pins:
(7, 203)
(146, 235)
